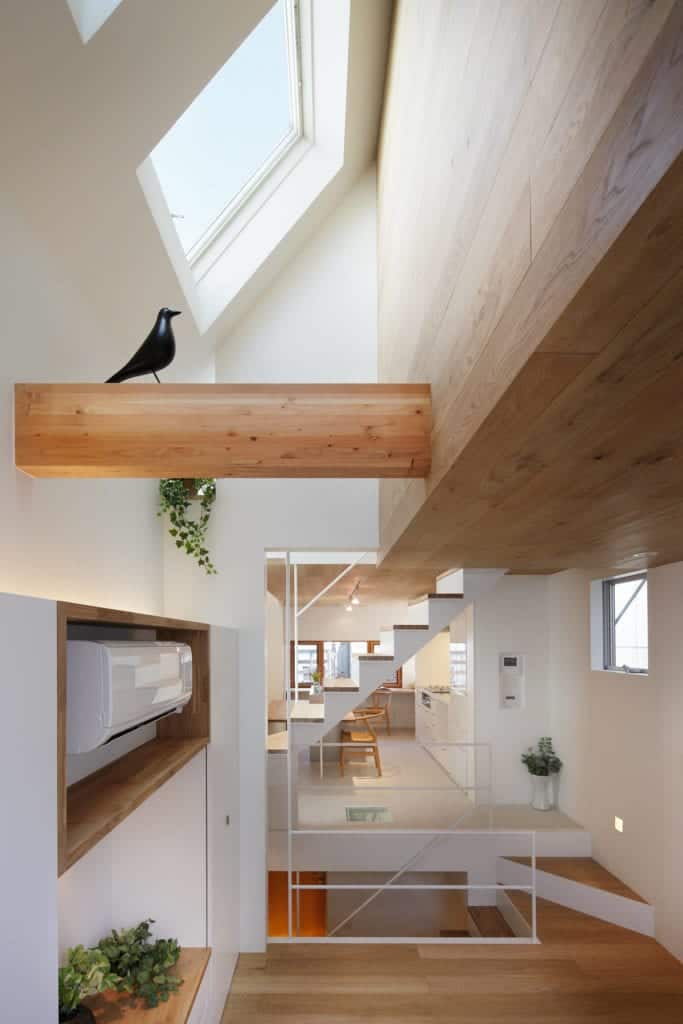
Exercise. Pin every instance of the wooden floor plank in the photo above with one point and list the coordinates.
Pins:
(584, 971)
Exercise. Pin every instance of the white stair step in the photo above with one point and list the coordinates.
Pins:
(450, 581)
(433, 597)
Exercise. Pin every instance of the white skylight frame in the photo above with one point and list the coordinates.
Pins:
(225, 269)
(90, 15)
(292, 11)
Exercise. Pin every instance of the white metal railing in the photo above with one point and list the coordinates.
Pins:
(392, 885)
(436, 836)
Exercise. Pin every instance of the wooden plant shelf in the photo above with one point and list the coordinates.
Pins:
(101, 801)
(110, 1007)
(223, 430)
(89, 809)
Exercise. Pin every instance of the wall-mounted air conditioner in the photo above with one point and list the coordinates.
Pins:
(115, 686)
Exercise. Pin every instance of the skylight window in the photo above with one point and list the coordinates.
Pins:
(237, 130)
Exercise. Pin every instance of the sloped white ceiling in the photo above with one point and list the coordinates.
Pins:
(77, 120)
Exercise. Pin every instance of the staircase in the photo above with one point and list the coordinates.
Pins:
(489, 923)
(433, 612)
(581, 884)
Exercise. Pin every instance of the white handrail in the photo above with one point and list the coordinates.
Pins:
(401, 871)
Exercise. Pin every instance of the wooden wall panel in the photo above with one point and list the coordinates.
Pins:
(588, 107)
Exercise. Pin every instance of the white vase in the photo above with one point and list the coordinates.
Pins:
(541, 792)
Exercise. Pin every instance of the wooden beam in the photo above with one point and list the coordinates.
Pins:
(223, 430)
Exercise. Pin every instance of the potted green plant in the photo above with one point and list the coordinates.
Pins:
(140, 965)
(315, 692)
(176, 498)
(542, 763)
(86, 972)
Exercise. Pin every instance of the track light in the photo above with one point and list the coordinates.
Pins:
(355, 599)
(349, 607)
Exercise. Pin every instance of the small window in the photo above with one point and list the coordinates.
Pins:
(624, 611)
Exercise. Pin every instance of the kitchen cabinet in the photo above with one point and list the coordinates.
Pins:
(431, 716)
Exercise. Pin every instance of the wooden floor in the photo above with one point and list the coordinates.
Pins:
(584, 972)
(584, 870)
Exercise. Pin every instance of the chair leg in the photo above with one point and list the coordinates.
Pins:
(378, 763)
(386, 712)
(341, 760)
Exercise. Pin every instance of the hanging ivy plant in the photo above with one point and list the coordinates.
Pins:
(175, 498)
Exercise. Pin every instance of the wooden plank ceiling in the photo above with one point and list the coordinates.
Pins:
(531, 269)
(222, 430)
(375, 584)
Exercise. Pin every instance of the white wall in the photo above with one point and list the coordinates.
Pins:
(93, 541)
(317, 322)
(28, 850)
(332, 622)
(512, 618)
(621, 739)
(135, 871)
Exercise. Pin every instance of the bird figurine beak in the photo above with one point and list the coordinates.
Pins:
(174, 312)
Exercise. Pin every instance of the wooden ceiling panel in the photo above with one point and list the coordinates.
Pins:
(557, 361)
(374, 584)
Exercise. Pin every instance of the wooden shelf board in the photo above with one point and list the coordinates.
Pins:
(101, 801)
(80, 613)
(111, 1007)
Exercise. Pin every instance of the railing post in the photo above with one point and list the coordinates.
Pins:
(533, 887)
(288, 705)
(296, 630)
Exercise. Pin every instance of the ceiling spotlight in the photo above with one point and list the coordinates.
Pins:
(355, 599)
(349, 607)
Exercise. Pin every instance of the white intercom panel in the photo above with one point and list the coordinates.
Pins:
(511, 673)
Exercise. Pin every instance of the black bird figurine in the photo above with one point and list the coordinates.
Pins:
(156, 352)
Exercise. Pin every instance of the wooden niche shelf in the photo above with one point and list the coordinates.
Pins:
(91, 808)
(119, 1006)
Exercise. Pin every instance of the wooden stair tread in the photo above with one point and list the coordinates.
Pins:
(113, 1006)
(375, 657)
(561, 925)
(340, 686)
(304, 711)
(411, 626)
(490, 923)
(429, 597)
(277, 742)
(583, 870)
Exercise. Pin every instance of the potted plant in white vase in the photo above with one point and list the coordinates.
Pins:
(542, 764)
(315, 692)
